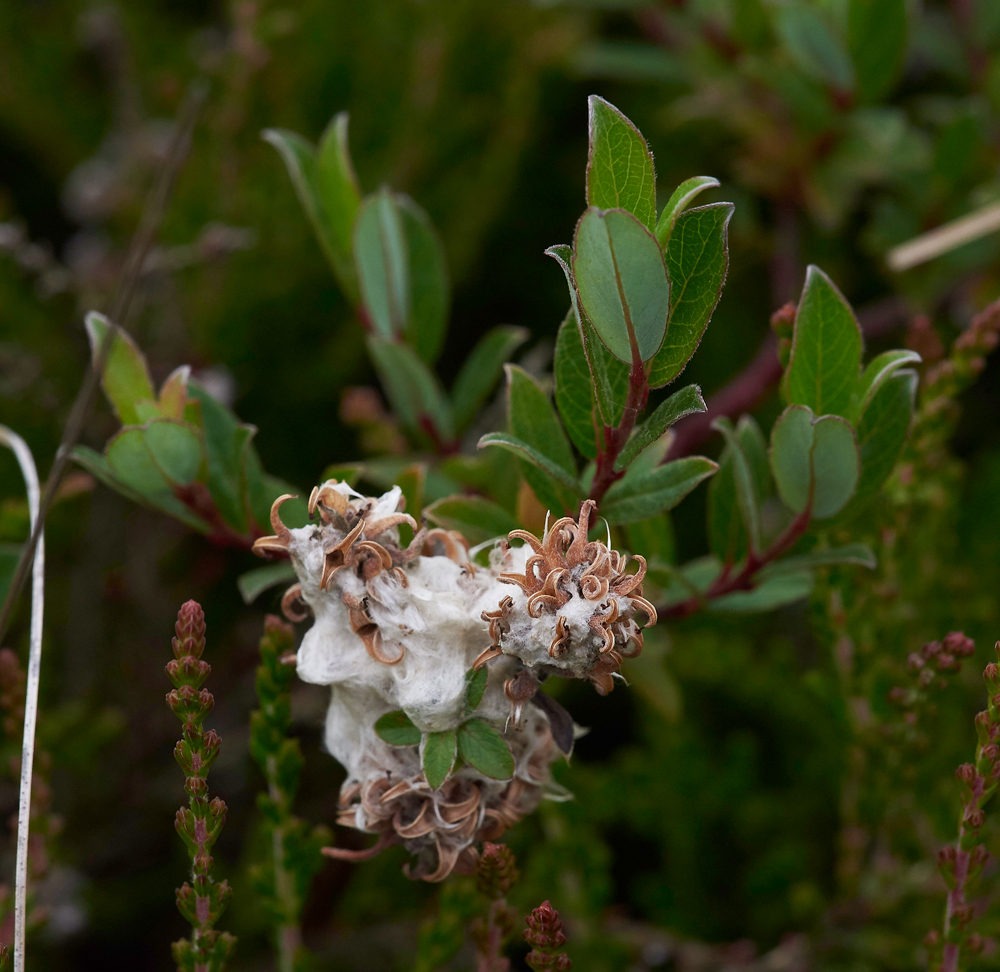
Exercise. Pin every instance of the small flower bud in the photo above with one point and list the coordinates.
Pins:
(932, 938)
(966, 773)
(914, 661)
(544, 927)
(958, 644)
(946, 661)
(974, 819)
(946, 857)
(931, 649)
(990, 752)
(974, 943)
(496, 871)
(992, 674)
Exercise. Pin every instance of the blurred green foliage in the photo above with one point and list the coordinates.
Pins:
(756, 780)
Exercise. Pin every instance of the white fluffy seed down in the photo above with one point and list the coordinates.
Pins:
(400, 628)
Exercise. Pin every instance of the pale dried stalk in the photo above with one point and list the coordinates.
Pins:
(20, 449)
(945, 238)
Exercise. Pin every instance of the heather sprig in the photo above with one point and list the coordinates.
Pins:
(203, 900)
(495, 873)
(545, 936)
(961, 863)
(282, 881)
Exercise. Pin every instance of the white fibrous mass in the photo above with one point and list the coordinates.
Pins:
(399, 634)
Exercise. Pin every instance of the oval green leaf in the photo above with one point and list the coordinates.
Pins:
(622, 281)
(484, 749)
(397, 729)
(438, 756)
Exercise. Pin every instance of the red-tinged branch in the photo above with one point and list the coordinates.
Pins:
(729, 583)
(748, 389)
(616, 437)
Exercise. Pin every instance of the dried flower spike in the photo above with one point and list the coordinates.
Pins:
(203, 900)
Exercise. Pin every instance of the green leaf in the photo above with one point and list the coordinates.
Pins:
(622, 281)
(125, 378)
(478, 375)
(882, 431)
(476, 679)
(772, 593)
(225, 441)
(438, 756)
(877, 39)
(653, 539)
(484, 749)
(397, 729)
(744, 482)
(697, 260)
(175, 448)
(574, 393)
(413, 389)
(620, 167)
(657, 491)
(475, 517)
(528, 453)
(609, 376)
(533, 421)
(382, 259)
(430, 291)
(254, 582)
(686, 401)
(337, 188)
(854, 554)
(879, 370)
(727, 533)
(678, 202)
(813, 46)
(814, 460)
(328, 196)
(129, 469)
(826, 349)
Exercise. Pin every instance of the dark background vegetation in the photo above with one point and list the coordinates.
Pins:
(714, 810)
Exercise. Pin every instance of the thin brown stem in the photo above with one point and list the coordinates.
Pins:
(145, 234)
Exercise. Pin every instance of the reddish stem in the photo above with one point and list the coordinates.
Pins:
(727, 583)
(616, 437)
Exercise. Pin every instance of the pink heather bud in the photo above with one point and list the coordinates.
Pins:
(946, 661)
(931, 649)
(974, 943)
(914, 661)
(544, 927)
(991, 672)
(958, 644)
(978, 856)
(932, 938)
(496, 871)
(966, 773)
(190, 630)
(274, 625)
(990, 752)
(946, 856)
(975, 818)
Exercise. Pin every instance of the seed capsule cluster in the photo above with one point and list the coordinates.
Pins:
(400, 627)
